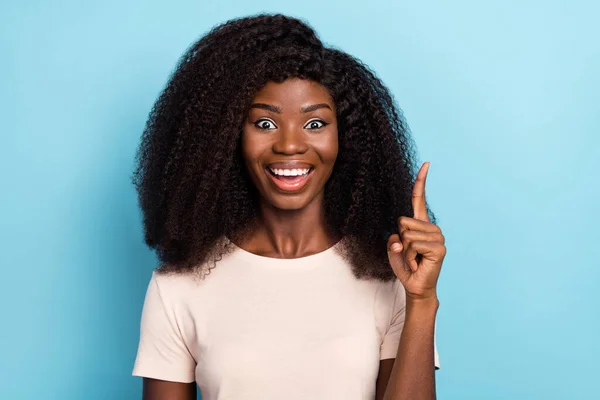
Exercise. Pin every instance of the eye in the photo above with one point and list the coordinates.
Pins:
(316, 124)
(265, 124)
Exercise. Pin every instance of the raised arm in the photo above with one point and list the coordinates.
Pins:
(416, 255)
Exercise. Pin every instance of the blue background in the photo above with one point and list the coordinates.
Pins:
(502, 97)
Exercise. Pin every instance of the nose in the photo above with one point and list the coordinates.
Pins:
(290, 141)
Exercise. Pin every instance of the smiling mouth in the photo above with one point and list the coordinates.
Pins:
(289, 179)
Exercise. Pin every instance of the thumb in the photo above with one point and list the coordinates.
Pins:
(395, 251)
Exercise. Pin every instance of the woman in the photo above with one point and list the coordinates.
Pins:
(298, 259)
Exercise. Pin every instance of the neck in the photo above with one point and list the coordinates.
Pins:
(291, 233)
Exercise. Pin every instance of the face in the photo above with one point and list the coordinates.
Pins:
(290, 142)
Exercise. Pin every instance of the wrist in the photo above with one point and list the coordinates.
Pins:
(428, 303)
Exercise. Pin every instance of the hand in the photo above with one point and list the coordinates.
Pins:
(417, 253)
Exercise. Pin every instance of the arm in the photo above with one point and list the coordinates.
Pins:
(412, 375)
(155, 389)
(385, 371)
(416, 255)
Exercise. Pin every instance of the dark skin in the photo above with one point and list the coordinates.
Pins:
(292, 125)
(155, 389)
(288, 136)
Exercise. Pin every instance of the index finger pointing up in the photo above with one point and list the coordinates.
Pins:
(418, 195)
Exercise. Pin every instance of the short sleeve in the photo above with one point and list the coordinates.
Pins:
(162, 352)
(391, 337)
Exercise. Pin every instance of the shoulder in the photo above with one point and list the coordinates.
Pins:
(390, 294)
(182, 287)
(390, 303)
(173, 280)
(174, 286)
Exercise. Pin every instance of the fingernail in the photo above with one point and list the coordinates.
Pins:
(396, 247)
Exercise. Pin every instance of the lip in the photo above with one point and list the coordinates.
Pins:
(289, 187)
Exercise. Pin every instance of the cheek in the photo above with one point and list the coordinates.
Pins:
(329, 148)
(251, 148)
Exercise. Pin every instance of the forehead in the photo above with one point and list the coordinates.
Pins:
(293, 93)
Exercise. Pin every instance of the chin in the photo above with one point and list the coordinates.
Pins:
(288, 204)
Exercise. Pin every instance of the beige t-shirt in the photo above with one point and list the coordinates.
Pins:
(271, 329)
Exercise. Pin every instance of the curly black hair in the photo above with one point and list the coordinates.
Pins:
(190, 177)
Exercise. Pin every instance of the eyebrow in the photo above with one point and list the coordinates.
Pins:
(278, 110)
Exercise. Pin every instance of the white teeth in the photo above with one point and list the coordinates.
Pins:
(290, 172)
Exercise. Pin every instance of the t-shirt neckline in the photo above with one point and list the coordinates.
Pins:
(307, 261)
